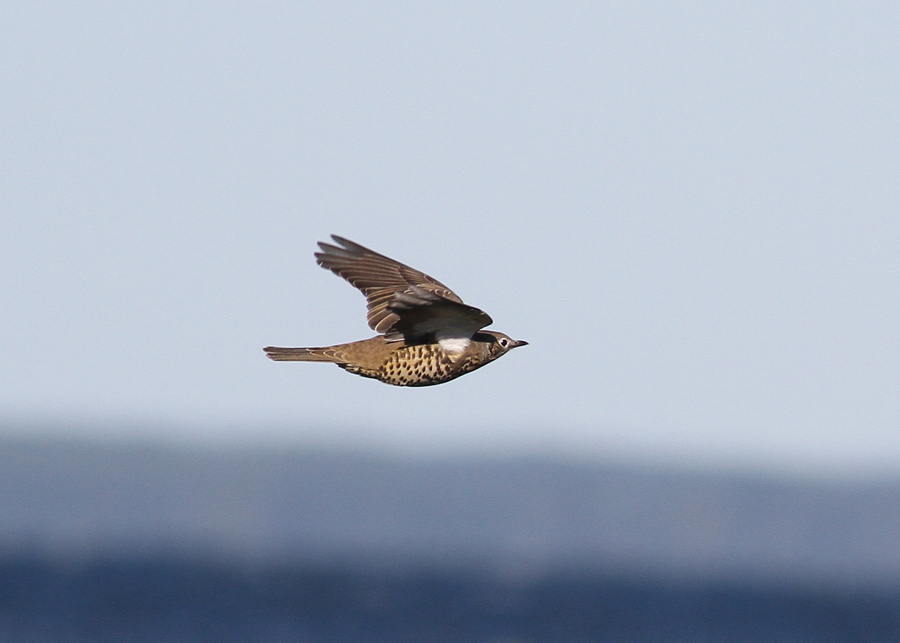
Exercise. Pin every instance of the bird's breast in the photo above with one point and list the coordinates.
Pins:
(423, 365)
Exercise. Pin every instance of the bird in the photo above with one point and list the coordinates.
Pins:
(427, 335)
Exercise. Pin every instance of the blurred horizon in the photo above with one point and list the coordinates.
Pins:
(100, 498)
(532, 442)
(148, 542)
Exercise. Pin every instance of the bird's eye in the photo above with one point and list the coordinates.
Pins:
(504, 342)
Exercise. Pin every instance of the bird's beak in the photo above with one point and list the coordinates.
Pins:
(519, 342)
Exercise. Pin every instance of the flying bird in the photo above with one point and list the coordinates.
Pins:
(427, 335)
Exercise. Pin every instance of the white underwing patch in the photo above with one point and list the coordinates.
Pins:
(454, 344)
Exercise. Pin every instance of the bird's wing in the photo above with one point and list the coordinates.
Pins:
(402, 301)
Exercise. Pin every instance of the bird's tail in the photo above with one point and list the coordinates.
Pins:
(280, 354)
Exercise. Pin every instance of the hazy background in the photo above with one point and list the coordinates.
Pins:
(689, 210)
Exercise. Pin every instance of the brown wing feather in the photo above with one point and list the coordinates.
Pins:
(401, 301)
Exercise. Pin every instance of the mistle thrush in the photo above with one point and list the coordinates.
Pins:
(428, 335)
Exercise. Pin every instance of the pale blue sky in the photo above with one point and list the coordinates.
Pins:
(690, 210)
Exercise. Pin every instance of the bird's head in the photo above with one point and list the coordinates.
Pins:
(497, 343)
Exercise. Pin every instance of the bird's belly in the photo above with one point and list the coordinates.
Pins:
(422, 365)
